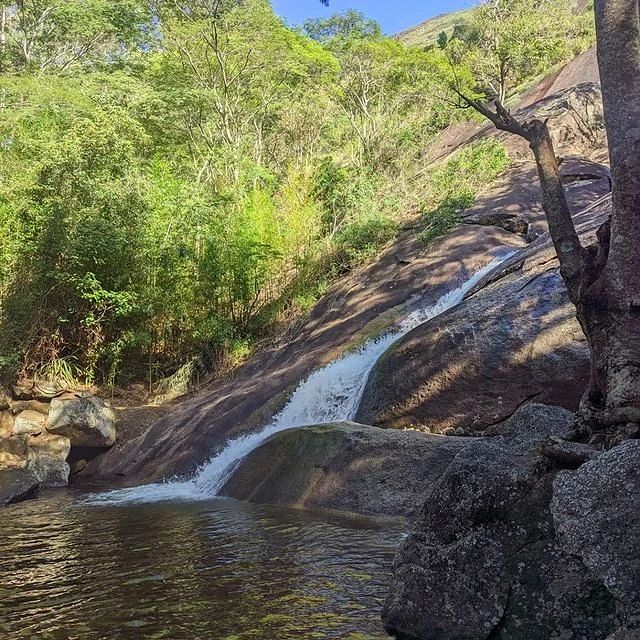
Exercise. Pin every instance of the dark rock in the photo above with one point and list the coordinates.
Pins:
(87, 422)
(51, 454)
(18, 478)
(508, 221)
(596, 511)
(482, 561)
(78, 466)
(533, 424)
(344, 466)
(568, 455)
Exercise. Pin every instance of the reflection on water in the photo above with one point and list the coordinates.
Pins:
(217, 570)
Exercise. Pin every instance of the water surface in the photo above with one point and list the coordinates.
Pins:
(204, 570)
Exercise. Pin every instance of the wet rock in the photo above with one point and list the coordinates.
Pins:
(344, 466)
(18, 479)
(29, 422)
(596, 511)
(482, 561)
(509, 221)
(51, 454)
(87, 422)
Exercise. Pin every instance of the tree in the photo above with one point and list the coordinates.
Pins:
(350, 24)
(44, 34)
(602, 278)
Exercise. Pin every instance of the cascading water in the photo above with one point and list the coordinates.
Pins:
(330, 394)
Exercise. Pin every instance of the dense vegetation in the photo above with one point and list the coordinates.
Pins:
(179, 178)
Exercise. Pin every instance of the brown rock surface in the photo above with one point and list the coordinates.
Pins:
(345, 466)
(515, 339)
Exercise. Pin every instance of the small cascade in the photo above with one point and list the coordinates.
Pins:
(330, 394)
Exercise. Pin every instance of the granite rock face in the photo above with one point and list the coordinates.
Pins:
(484, 560)
(596, 512)
(345, 466)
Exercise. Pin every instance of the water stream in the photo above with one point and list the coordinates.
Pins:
(330, 394)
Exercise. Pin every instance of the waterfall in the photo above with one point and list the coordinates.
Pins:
(330, 394)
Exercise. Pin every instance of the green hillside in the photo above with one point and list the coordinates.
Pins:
(427, 32)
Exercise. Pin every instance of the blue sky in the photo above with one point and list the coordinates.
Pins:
(393, 15)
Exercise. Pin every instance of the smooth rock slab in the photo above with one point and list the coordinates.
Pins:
(345, 466)
(87, 422)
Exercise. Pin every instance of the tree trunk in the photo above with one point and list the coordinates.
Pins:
(610, 300)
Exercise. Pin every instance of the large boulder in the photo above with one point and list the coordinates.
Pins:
(473, 366)
(482, 561)
(87, 422)
(344, 466)
(51, 453)
(18, 477)
(596, 511)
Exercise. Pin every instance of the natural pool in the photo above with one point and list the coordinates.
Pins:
(206, 570)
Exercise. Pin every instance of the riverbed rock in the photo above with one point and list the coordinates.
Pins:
(596, 511)
(18, 478)
(51, 453)
(29, 422)
(483, 562)
(87, 422)
(344, 466)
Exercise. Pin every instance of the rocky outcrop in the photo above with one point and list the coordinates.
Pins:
(18, 478)
(485, 561)
(596, 512)
(87, 421)
(513, 340)
(39, 424)
(344, 466)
